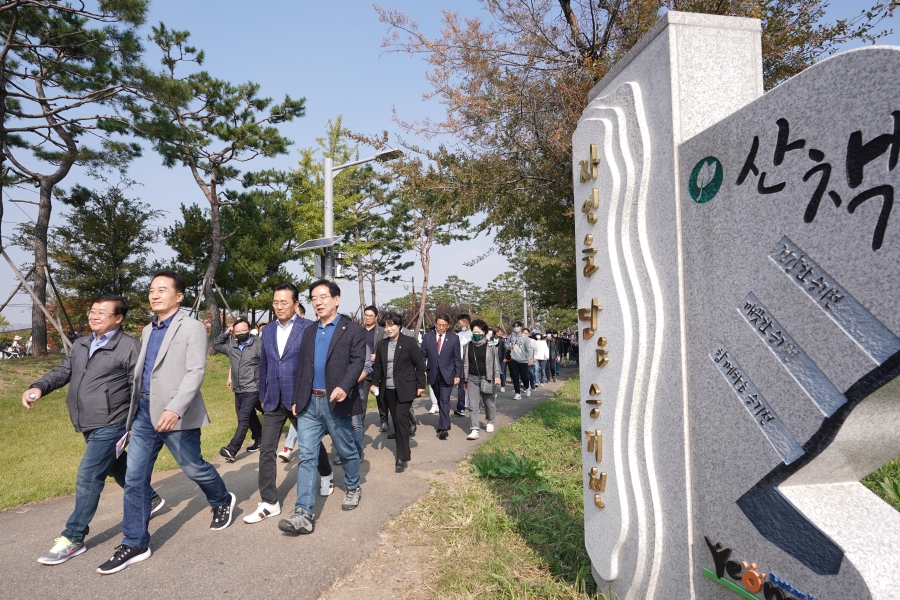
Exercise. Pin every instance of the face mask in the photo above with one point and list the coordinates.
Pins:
(517, 329)
(242, 337)
(463, 328)
(477, 337)
(537, 337)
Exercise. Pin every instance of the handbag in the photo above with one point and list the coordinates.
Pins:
(485, 385)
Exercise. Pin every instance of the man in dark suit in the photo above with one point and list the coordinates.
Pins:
(332, 360)
(441, 352)
(278, 362)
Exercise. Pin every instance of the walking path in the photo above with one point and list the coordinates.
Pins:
(243, 561)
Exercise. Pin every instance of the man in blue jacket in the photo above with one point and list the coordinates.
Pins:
(99, 369)
(279, 359)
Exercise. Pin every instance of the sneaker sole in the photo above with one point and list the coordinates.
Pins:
(58, 561)
(327, 492)
(284, 458)
(349, 506)
(287, 527)
(162, 502)
(230, 515)
(130, 561)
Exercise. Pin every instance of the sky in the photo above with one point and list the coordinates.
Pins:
(330, 54)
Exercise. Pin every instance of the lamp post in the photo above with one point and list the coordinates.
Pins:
(330, 172)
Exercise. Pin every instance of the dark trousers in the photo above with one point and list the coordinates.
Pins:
(442, 391)
(245, 405)
(460, 396)
(273, 423)
(519, 371)
(400, 414)
(382, 407)
(551, 368)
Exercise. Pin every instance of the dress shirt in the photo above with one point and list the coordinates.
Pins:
(282, 333)
(157, 333)
(324, 334)
(101, 341)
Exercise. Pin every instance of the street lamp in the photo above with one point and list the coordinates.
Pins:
(330, 172)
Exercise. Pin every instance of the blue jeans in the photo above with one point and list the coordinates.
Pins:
(291, 439)
(542, 370)
(144, 447)
(502, 373)
(97, 463)
(313, 422)
(532, 372)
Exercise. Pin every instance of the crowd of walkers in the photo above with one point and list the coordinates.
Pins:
(315, 375)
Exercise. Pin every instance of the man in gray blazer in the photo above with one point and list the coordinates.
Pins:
(166, 408)
(99, 370)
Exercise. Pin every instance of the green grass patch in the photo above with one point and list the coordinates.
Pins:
(40, 450)
(885, 482)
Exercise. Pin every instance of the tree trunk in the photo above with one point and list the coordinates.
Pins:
(38, 320)
(215, 256)
(360, 277)
(425, 258)
(372, 277)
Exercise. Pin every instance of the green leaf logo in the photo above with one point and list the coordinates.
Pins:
(705, 180)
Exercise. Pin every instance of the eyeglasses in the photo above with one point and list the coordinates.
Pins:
(322, 297)
(99, 313)
(282, 304)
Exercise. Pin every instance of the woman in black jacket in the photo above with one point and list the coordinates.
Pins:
(398, 374)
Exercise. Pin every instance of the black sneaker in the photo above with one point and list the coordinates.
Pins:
(123, 556)
(228, 454)
(222, 514)
(254, 447)
(459, 413)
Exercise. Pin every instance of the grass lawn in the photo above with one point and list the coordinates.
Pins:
(518, 523)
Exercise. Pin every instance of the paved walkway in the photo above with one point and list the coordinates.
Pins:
(243, 561)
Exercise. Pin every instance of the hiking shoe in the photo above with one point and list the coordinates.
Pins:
(123, 556)
(222, 514)
(63, 549)
(489, 428)
(473, 435)
(228, 454)
(253, 447)
(351, 499)
(326, 485)
(517, 397)
(264, 510)
(285, 454)
(300, 522)
(156, 505)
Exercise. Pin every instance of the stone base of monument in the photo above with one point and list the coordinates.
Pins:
(738, 307)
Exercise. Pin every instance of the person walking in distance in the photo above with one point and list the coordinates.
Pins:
(326, 397)
(541, 356)
(521, 352)
(243, 352)
(398, 375)
(99, 369)
(279, 361)
(374, 334)
(440, 350)
(481, 369)
(463, 322)
(166, 409)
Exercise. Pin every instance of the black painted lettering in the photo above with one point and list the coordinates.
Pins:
(782, 146)
(720, 555)
(733, 569)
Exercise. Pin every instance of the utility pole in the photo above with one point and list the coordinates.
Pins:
(525, 308)
(414, 313)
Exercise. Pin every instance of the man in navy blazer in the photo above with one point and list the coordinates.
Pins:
(442, 355)
(278, 362)
(326, 397)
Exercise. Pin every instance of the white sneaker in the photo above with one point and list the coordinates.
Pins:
(473, 435)
(489, 428)
(285, 454)
(327, 486)
(517, 397)
(502, 389)
(527, 392)
(433, 410)
(264, 510)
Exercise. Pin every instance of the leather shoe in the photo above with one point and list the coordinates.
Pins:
(442, 434)
(384, 427)
(400, 466)
(392, 436)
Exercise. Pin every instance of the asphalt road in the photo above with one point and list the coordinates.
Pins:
(242, 561)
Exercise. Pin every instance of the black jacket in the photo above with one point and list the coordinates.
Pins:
(409, 368)
(345, 363)
(244, 363)
(100, 386)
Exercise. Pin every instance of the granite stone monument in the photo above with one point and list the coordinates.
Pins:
(740, 336)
